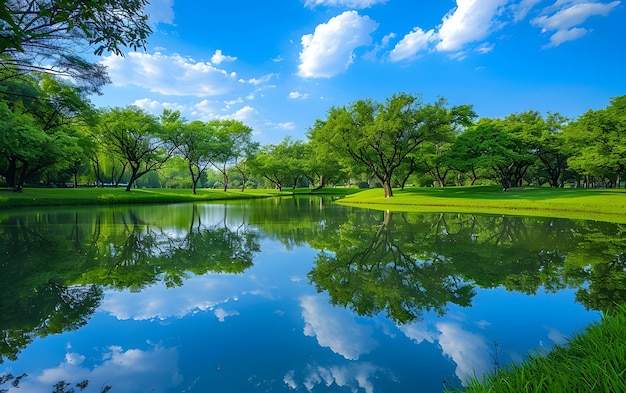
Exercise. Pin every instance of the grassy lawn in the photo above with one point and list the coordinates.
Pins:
(593, 204)
(112, 196)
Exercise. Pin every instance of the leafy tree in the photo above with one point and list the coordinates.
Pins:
(596, 141)
(232, 140)
(281, 164)
(138, 138)
(319, 168)
(541, 138)
(39, 129)
(51, 35)
(379, 136)
(490, 145)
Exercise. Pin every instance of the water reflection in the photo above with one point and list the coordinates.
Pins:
(59, 263)
(405, 264)
(199, 297)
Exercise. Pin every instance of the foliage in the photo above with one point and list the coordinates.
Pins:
(595, 142)
(137, 138)
(51, 35)
(379, 137)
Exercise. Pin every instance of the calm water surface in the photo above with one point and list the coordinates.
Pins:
(291, 294)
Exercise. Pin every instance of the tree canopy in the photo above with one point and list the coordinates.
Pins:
(379, 136)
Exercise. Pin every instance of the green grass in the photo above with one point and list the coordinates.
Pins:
(594, 204)
(593, 361)
(591, 204)
(113, 196)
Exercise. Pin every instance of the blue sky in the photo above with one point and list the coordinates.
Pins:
(278, 65)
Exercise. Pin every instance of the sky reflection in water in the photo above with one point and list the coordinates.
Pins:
(269, 329)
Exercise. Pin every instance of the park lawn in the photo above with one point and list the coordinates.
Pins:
(112, 196)
(580, 203)
(116, 196)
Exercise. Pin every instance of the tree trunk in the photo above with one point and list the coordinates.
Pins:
(387, 188)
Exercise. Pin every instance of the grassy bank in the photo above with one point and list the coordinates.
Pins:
(594, 361)
(593, 204)
(590, 204)
(114, 196)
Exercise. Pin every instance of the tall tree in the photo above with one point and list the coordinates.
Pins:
(489, 145)
(596, 141)
(195, 142)
(39, 126)
(280, 164)
(51, 35)
(138, 138)
(232, 140)
(540, 137)
(380, 136)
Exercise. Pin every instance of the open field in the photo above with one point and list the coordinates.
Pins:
(591, 204)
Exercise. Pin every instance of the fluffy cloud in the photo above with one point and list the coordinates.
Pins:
(169, 75)
(330, 49)
(343, 3)
(130, 370)
(416, 41)
(336, 328)
(218, 58)
(472, 20)
(565, 16)
(294, 95)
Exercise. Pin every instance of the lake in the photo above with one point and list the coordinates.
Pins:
(290, 294)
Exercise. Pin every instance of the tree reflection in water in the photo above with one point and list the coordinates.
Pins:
(405, 264)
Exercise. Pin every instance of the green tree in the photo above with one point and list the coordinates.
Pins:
(138, 138)
(195, 144)
(39, 128)
(490, 145)
(541, 138)
(379, 137)
(232, 141)
(596, 142)
(51, 35)
(281, 164)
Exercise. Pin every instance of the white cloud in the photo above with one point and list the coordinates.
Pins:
(358, 4)
(221, 314)
(287, 126)
(330, 49)
(131, 370)
(218, 58)
(245, 114)
(294, 95)
(160, 302)
(468, 350)
(335, 328)
(156, 107)
(354, 377)
(522, 9)
(568, 15)
(169, 75)
(161, 11)
(416, 41)
(470, 21)
(259, 81)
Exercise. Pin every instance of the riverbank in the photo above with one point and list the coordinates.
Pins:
(589, 204)
(593, 361)
(578, 203)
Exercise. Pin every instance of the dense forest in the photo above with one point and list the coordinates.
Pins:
(51, 135)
